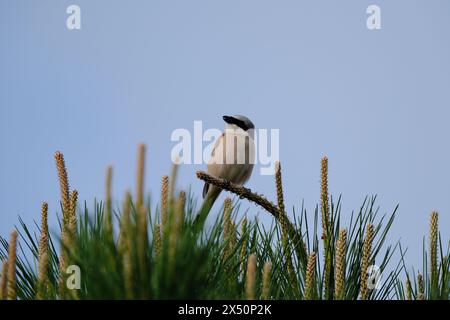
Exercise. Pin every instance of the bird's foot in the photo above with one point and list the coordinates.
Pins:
(227, 183)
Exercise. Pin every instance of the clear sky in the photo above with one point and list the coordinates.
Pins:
(375, 102)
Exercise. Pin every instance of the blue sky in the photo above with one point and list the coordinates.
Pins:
(375, 102)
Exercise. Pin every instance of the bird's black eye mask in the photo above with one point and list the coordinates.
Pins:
(232, 120)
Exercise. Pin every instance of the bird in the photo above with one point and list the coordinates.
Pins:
(232, 159)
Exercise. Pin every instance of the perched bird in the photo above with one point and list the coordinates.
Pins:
(232, 159)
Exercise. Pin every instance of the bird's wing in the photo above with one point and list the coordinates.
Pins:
(214, 153)
(216, 145)
(211, 161)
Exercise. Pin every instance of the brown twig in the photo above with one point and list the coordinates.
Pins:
(260, 200)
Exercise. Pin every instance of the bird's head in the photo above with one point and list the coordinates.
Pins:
(239, 121)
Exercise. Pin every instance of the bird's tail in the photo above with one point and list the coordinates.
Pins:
(208, 202)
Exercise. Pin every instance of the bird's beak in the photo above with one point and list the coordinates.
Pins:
(228, 119)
